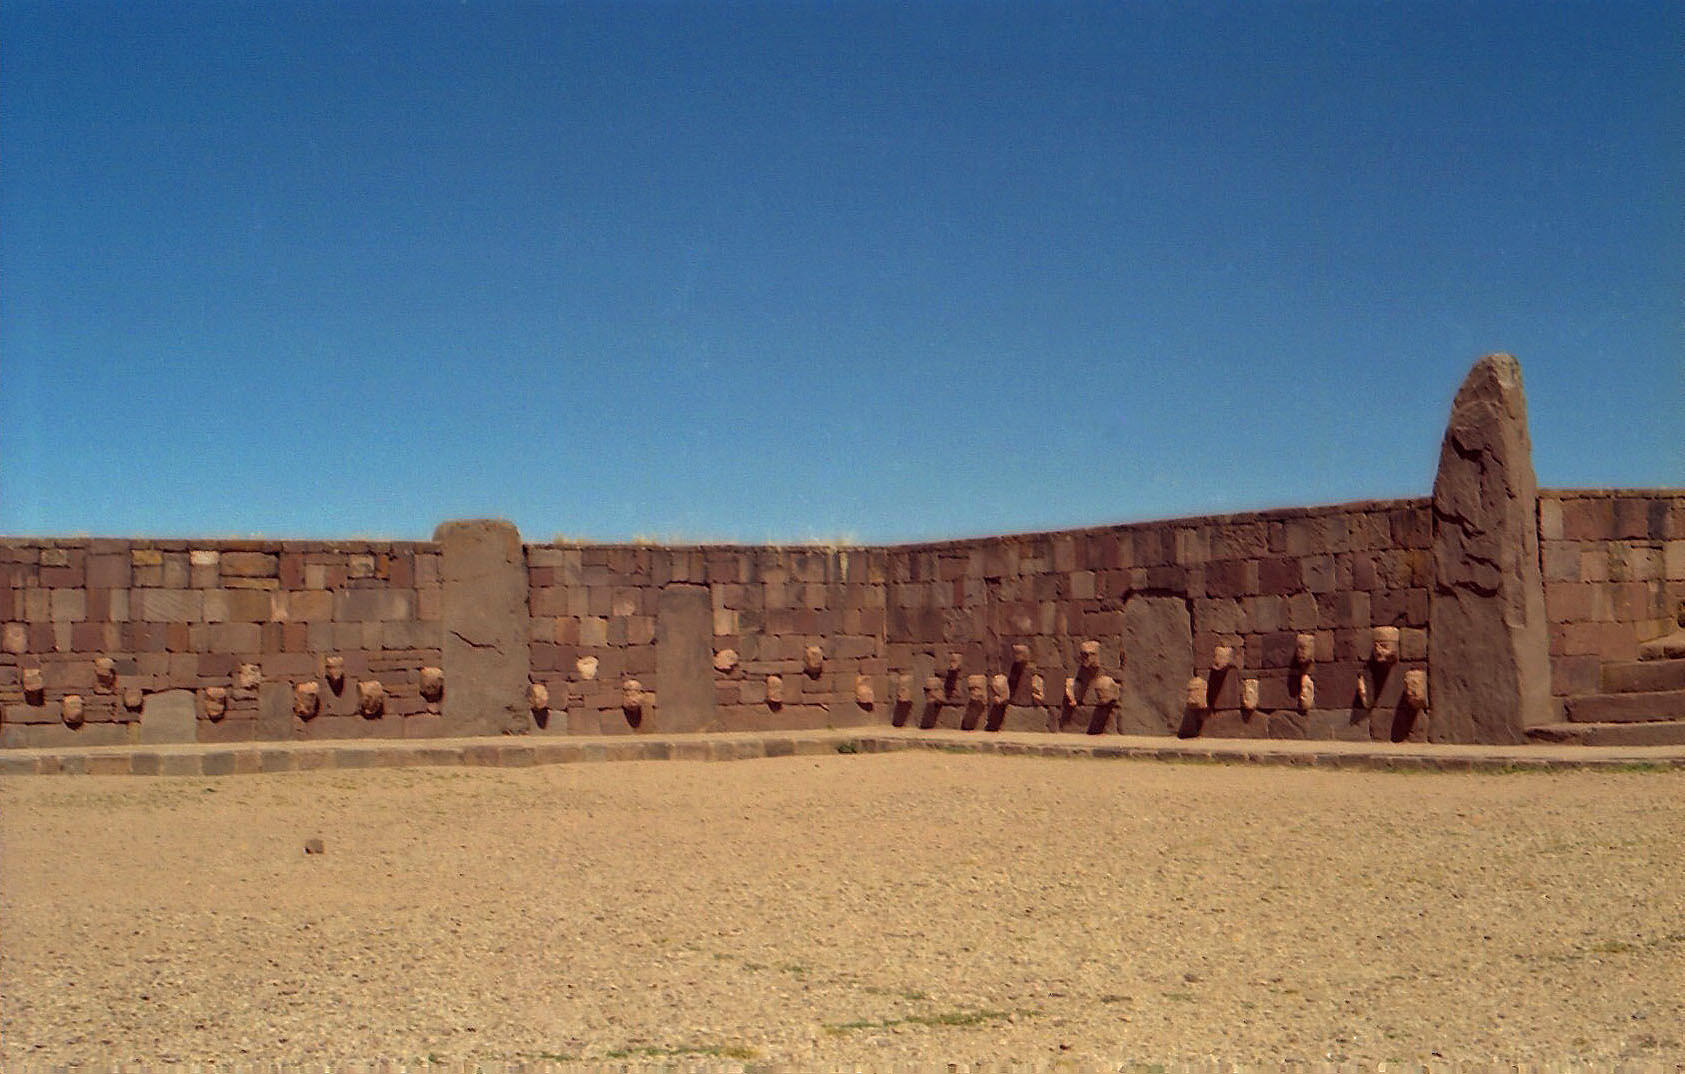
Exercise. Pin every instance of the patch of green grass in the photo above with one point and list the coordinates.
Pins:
(939, 1019)
(848, 747)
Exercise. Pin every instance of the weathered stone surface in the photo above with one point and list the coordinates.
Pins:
(684, 659)
(333, 670)
(586, 666)
(431, 683)
(371, 698)
(1415, 690)
(169, 716)
(813, 660)
(485, 620)
(864, 695)
(105, 674)
(1383, 645)
(72, 711)
(216, 702)
(1158, 638)
(1193, 698)
(775, 690)
(248, 676)
(275, 709)
(1489, 650)
(725, 661)
(538, 697)
(1249, 695)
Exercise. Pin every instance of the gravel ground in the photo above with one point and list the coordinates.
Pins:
(861, 911)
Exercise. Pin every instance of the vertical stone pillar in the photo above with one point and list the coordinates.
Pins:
(1488, 642)
(684, 659)
(486, 653)
(1158, 654)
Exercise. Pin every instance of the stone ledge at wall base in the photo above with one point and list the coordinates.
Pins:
(506, 752)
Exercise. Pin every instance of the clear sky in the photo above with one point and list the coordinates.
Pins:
(792, 271)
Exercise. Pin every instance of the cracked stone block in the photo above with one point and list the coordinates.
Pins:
(1416, 689)
(586, 666)
(1000, 690)
(216, 702)
(538, 697)
(371, 698)
(248, 676)
(485, 622)
(431, 683)
(725, 661)
(1489, 649)
(1249, 695)
(307, 700)
(71, 710)
(1383, 645)
(105, 674)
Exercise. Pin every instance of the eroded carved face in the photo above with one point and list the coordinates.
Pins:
(864, 695)
(432, 683)
(1416, 689)
(775, 689)
(631, 695)
(1038, 690)
(1304, 650)
(587, 667)
(216, 702)
(538, 697)
(307, 700)
(1090, 656)
(248, 676)
(371, 697)
(1222, 658)
(933, 690)
(1106, 691)
(1020, 656)
(1383, 645)
(133, 698)
(333, 670)
(1307, 693)
(1195, 698)
(33, 683)
(1000, 690)
(977, 688)
(72, 711)
(1249, 695)
(725, 661)
(955, 662)
(105, 673)
(813, 659)
(903, 689)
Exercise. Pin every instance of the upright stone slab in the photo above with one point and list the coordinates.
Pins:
(168, 716)
(1488, 642)
(486, 646)
(684, 659)
(1158, 657)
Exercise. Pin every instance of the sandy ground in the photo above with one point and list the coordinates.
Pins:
(846, 911)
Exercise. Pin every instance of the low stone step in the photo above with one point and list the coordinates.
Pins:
(1643, 675)
(1627, 708)
(1653, 733)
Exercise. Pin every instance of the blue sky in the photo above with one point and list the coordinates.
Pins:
(798, 271)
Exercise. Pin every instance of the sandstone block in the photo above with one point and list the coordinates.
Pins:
(1158, 636)
(1489, 648)
(684, 658)
(486, 624)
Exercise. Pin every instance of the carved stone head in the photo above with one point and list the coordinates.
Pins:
(1020, 656)
(1222, 658)
(1090, 656)
(216, 702)
(1195, 699)
(725, 661)
(1106, 690)
(333, 670)
(431, 683)
(1038, 690)
(133, 698)
(371, 697)
(1304, 650)
(933, 690)
(33, 683)
(903, 688)
(955, 662)
(631, 696)
(307, 700)
(1383, 645)
(1249, 695)
(813, 660)
(1307, 693)
(1000, 690)
(105, 674)
(775, 689)
(864, 695)
(1363, 698)
(977, 689)
(1070, 693)
(1416, 689)
(538, 697)
(247, 677)
(587, 667)
(72, 711)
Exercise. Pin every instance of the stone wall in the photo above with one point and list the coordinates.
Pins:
(1614, 576)
(206, 640)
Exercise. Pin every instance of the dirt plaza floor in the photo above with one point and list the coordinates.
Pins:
(846, 912)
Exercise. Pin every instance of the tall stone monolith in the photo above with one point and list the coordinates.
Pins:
(486, 627)
(1488, 643)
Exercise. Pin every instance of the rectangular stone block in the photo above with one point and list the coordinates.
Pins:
(167, 605)
(249, 564)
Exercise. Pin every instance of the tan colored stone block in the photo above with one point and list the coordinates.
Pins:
(249, 565)
(16, 637)
(146, 557)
